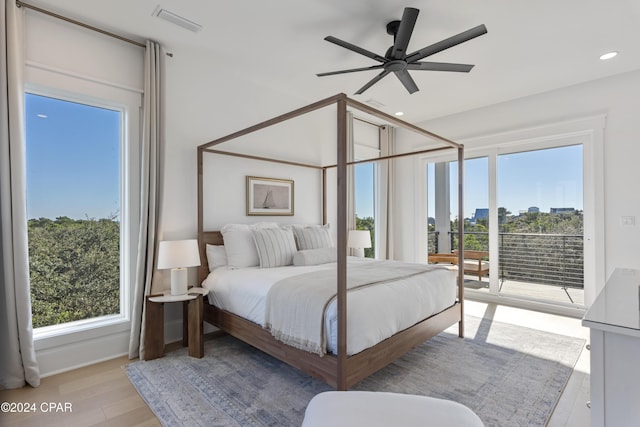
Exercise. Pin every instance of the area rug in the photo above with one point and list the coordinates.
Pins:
(508, 375)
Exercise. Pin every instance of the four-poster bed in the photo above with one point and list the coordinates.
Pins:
(339, 369)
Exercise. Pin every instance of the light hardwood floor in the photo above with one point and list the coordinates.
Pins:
(101, 394)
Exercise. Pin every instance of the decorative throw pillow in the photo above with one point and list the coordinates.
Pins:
(239, 244)
(216, 256)
(312, 236)
(315, 256)
(275, 247)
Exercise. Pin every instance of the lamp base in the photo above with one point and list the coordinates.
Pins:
(179, 281)
(359, 252)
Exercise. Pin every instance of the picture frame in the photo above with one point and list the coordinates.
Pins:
(270, 196)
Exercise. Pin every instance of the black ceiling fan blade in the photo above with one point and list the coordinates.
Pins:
(403, 35)
(407, 81)
(356, 49)
(352, 70)
(440, 66)
(447, 43)
(373, 81)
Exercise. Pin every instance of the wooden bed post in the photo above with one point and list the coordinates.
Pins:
(461, 239)
(342, 243)
(203, 269)
(324, 195)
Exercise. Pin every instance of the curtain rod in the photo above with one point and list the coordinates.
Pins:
(368, 122)
(81, 24)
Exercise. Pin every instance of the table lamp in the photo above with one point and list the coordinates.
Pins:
(178, 255)
(359, 240)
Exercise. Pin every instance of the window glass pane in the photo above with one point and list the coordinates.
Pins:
(541, 240)
(73, 206)
(364, 200)
(476, 203)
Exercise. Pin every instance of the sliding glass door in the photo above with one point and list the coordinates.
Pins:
(541, 236)
(523, 221)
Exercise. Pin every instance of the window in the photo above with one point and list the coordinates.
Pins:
(537, 199)
(364, 202)
(74, 210)
(366, 147)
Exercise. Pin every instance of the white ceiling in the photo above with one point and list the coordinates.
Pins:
(531, 46)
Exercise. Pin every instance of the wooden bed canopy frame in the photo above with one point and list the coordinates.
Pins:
(339, 371)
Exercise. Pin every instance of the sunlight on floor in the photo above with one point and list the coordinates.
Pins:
(571, 410)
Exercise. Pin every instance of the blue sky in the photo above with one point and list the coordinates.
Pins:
(364, 184)
(73, 159)
(543, 178)
(546, 179)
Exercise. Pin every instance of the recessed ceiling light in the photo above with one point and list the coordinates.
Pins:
(399, 113)
(608, 55)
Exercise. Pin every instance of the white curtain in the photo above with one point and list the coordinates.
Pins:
(151, 165)
(18, 364)
(385, 240)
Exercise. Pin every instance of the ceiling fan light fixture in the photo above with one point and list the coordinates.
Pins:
(608, 55)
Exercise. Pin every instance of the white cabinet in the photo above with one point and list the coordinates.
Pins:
(614, 321)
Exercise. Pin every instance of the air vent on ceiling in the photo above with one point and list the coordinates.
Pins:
(374, 103)
(176, 19)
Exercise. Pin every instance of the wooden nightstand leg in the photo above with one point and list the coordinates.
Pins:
(185, 324)
(196, 341)
(153, 330)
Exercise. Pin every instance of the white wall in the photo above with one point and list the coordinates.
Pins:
(617, 98)
(225, 190)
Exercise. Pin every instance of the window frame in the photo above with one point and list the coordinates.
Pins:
(128, 103)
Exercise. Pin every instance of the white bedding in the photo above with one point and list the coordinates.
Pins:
(374, 313)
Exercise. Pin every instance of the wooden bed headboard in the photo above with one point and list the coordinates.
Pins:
(207, 238)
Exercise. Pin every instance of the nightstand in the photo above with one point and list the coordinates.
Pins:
(192, 327)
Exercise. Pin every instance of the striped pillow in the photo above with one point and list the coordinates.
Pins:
(313, 237)
(275, 247)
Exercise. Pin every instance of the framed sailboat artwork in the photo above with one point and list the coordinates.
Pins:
(269, 196)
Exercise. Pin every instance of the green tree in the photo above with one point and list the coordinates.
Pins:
(74, 269)
(368, 223)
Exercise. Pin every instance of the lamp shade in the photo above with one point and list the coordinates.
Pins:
(359, 239)
(178, 253)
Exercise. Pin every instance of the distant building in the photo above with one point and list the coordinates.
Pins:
(533, 209)
(562, 210)
(481, 213)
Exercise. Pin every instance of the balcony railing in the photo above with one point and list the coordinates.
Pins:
(549, 259)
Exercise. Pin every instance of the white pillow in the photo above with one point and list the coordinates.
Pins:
(312, 236)
(239, 244)
(275, 247)
(216, 256)
(315, 256)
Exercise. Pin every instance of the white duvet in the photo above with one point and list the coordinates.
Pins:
(374, 313)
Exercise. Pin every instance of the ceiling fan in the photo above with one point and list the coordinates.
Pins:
(396, 59)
